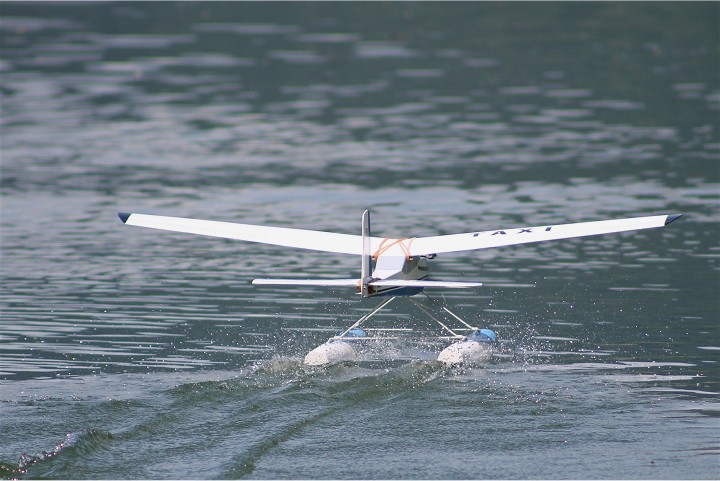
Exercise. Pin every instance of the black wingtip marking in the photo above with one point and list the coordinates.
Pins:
(123, 216)
(672, 217)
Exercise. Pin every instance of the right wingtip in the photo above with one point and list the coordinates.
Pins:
(123, 216)
(672, 217)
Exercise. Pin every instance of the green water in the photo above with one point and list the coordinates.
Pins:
(131, 353)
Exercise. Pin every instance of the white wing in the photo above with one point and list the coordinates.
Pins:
(420, 246)
(523, 235)
(280, 236)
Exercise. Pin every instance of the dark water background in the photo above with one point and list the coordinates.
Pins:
(130, 353)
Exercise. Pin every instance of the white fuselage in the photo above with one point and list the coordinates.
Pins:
(395, 264)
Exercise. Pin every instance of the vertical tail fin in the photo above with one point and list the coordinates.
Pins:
(366, 267)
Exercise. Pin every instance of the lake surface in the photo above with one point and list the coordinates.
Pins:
(132, 353)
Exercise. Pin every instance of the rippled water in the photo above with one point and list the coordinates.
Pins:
(134, 353)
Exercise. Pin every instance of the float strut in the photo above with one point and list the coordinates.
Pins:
(364, 318)
(427, 312)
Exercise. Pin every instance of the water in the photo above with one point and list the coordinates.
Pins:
(130, 353)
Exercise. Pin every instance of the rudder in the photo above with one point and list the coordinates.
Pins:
(366, 266)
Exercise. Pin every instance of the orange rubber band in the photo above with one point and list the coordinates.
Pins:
(382, 248)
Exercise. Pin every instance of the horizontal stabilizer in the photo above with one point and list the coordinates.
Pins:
(423, 283)
(307, 282)
(355, 283)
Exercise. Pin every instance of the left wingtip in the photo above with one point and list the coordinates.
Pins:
(123, 216)
(672, 217)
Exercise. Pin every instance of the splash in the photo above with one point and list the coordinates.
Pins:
(74, 441)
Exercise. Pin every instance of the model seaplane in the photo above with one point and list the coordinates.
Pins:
(391, 268)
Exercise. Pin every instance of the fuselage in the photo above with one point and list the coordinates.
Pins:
(395, 264)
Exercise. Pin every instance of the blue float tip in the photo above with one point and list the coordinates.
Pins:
(483, 335)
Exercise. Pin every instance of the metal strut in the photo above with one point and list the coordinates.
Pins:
(417, 304)
(364, 318)
(472, 328)
(429, 314)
